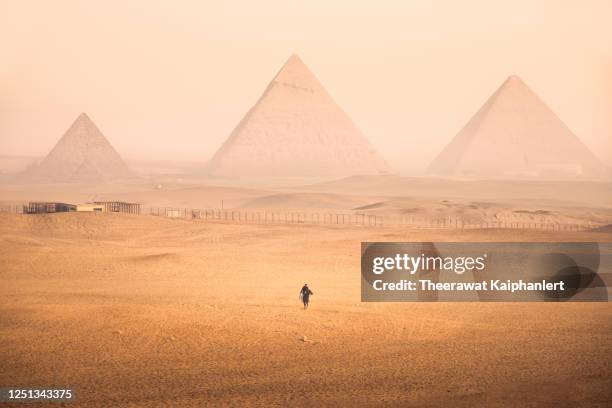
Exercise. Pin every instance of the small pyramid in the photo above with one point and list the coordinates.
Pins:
(515, 135)
(296, 130)
(82, 154)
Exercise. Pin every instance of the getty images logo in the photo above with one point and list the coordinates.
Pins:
(485, 271)
(413, 264)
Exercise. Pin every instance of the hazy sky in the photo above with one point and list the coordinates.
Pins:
(170, 79)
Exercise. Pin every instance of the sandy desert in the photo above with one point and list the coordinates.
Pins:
(150, 311)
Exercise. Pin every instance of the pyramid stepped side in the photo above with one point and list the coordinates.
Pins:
(296, 130)
(515, 134)
(82, 154)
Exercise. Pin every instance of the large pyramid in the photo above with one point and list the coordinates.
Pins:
(515, 135)
(82, 154)
(296, 130)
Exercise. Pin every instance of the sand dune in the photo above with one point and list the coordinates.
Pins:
(199, 196)
(307, 201)
(597, 193)
(407, 210)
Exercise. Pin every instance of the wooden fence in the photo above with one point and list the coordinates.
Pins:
(358, 219)
(268, 217)
(334, 218)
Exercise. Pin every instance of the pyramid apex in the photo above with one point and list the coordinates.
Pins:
(514, 79)
(294, 63)
(83, 117)
(295, 73)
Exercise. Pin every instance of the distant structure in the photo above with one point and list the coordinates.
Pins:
(515, 135)
(43, 207)
(82, 155)
(97, 206)
(296, 130)
(120, 206)
(89, 207)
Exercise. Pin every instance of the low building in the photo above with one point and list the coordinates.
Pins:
(173, 213)
(88, 207)
(120, 206)
(45, 207)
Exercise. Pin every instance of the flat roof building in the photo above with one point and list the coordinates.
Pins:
(88, 207)
(120, 206)
(45, 207)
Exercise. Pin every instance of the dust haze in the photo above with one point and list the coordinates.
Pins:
(156, 77)
(171, 175)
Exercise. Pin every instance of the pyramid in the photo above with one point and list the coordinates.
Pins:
(295, 130)
(515, 135)
(82, 154)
